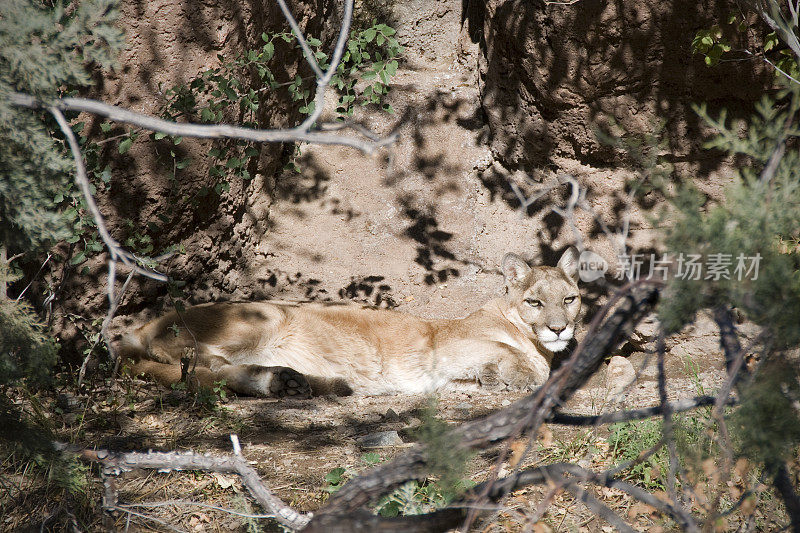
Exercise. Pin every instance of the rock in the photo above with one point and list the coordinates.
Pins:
(645, 332)
(391, 416)
(414, 422)
(505, 403)
(619, 374)
(380, 439)
(463, 409)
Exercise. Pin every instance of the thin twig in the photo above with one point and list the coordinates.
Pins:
(324, 80)
(635, 414)
(82, 180)
(166, 503)
(202, 131)
(148, 517)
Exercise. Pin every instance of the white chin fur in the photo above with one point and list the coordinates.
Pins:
(555, 346)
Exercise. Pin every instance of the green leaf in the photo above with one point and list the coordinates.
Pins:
(771, 41)
(334, 477)
(79, 258)
(105, 127)
(313, 41)
(268, 51)
(159, 135)
(371, 458)
(125, 145)
(369, 34)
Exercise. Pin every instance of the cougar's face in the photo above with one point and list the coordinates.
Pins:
(546, 299)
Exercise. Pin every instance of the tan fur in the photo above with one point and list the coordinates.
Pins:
(344, 348)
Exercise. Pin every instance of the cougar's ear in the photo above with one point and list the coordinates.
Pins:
(515, 269)
(569, 263)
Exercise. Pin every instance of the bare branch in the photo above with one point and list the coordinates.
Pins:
(307, 52)
(494, 491)
(202, 131)
(82, 180)
(116, 463)
(635, 414)
(324, 80)
(597, 507)
(674, 465)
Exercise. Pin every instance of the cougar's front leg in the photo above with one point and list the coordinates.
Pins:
(520, 373)
(270, 381)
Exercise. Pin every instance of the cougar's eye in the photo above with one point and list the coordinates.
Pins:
(533, 303)
(569, 299)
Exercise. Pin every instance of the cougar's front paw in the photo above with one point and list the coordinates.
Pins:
(286, 382)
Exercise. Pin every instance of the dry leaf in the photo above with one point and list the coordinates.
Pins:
(517, 451)
(223, 481)
(638, 509)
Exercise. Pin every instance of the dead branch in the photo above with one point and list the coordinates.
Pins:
(494, 491)
(674, 464)
(116, 463)
(200, 131)
(734, 360)
(679, 406)
(521, 417)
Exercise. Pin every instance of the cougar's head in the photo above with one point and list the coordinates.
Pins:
(544, 301)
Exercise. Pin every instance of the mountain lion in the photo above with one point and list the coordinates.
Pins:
(289, 349)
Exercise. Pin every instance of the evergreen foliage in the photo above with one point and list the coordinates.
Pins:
(759, 216)
(43, 52)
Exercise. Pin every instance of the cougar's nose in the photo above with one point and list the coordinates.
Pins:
(557, 329)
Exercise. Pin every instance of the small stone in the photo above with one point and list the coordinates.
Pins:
(619, 374)
(391, 416)
(463, 409)
(380, 439)
(505, 403)
(414, 422)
